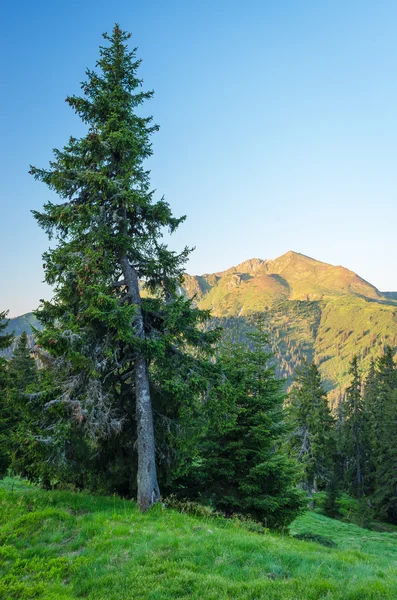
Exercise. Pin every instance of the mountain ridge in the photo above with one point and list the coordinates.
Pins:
(293, 276)
(314, 310)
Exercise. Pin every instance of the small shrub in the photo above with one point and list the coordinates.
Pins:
(364, 515)
(196, 509)
(189, 507)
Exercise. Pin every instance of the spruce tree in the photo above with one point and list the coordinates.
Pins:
(22, 375)
(242, 467)
(371, 410)
(5, 341)
(4, 417)
(22, 366)
(355, 433)
(104, 335)
(384, 435)
(312, 437)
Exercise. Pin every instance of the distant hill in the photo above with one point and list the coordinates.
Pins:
(20, 324)
(23, 323)
(390, 295)
(314, 310)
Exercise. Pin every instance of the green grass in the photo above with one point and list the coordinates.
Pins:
(58, 545)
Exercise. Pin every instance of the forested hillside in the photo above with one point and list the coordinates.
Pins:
(313, 310)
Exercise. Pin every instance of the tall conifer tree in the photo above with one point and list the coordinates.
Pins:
(312, 440)
(22, 366)
(243, 468)
(5, 341)
(384, 435)
(102, 333)
(355, 433)
(371, 410)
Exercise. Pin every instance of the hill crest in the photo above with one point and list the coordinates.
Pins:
(291, 276)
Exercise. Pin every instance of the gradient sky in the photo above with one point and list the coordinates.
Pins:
(278, 126)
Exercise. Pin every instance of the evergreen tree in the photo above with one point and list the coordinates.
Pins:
(336, 480)
(242, 466)
(5, 341)
(104, 335)
(4, 417)
(355, 433)
(312, 440)
(374, 416)
(331, 507)
(384, 435)
(22, 375)
(22, 366)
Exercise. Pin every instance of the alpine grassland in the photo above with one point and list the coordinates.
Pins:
(59, 545)
(313, 311)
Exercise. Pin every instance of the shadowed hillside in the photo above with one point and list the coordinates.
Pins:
(20, 324)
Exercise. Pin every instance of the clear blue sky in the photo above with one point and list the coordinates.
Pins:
(278, 126)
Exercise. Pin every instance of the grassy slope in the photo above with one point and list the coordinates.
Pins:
(353, 326)
(315, 310)
(60, 545)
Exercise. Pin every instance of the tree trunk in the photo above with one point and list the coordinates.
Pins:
(148, 489)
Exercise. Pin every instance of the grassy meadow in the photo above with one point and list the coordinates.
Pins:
(59, 545)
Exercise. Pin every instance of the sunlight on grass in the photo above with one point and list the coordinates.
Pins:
(58, 545)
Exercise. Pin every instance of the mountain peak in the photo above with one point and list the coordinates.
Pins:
(292, 255)
(292, 276)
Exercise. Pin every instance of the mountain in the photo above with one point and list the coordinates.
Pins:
(20, 324)
(23, 323)
(314, 310)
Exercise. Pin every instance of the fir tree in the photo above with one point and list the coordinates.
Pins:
(22, 366)
(374, 416)
(355, 433)
(5, 341)
(242, 467)
(384, 435)
(331, 507)
(104, 335)
(312, 441)
(22, 375)
(4, 417)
